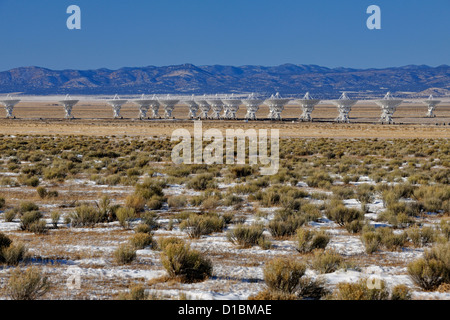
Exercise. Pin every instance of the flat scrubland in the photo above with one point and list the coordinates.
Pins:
(409, 112)
(104, 216)
(94, 118)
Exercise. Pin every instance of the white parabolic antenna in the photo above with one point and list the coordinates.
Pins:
(68, 105)
(145, 104)
(276, 106)
(431, 103)
(307, 104)
(193, 107)
(204, 106)
(169, 105)
(116, 103)
(216, 105)
(9, 103)
(231, 106)
(344, 105)
(388, 106)
(252, 104)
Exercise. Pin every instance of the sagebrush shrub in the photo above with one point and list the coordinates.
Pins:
(309, 288)
(124, 254)
(165, 241)
(42, 192)
(364, 193)
(55, 216)
(177, 201)
(38, 227)
(201, 182)
(29, 218)
(401, 292)
(383, 237)
(440, 252)
(30, 284)
(342, 193)
(285, 225)
(342, 215)
(155, 202)
(309, 240)
(444, 227)
(390, 240)
(151, 220)
(433, 269)
(14, 254)
(125, 215)
(241, 171)
(210, 203)
(360, 291)
(135, 201)
(141, 240)
(85, 216)
(427, 274)
(106, 210)
(283, 274)
(5, 241)
(142, 228)
(199, 225)
(184, 263)
(326, 261)
(319, 179)
(355, 226)
(148, 189)
(246, 236)
(10, 215)
(228, 217)
(136, 293)
(232, 200)
(29, 181)
(371, 241)
(26, 206)
(421, 236)
(433, 198)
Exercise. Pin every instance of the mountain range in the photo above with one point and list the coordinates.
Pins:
(287, 79)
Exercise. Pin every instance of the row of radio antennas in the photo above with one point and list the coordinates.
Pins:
(229, 105)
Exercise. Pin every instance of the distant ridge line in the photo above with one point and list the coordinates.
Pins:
(288, 79)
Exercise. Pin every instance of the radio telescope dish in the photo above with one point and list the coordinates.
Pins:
(169, 105)
(276, 106)
(344, 105)
(68, 105)
(231, 106)
(116, 103)
(252, 104)
(193, 107)
(431, 103)
(145, 104)
(388, 106)
(307, 104)
(217, 106)
(204, 106)
(9, 103)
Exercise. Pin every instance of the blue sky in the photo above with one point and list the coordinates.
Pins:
(118, 33)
